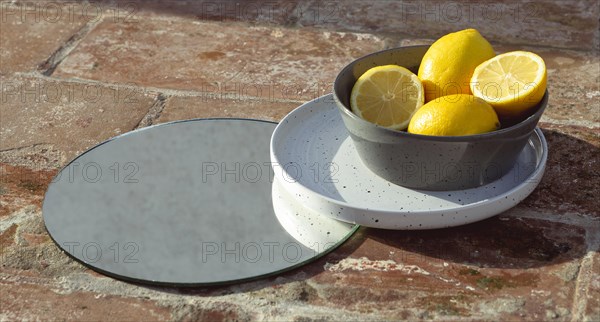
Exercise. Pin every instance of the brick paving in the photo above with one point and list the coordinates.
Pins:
(76, 73)
(264, 62)
(30, 38)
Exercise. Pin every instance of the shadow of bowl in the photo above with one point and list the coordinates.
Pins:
(492, 243)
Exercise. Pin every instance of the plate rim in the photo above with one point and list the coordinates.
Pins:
(296, 186)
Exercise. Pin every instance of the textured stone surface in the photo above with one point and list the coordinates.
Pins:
(264, 12)
(30, 35)
(472, 272)
(67, 116)
(569, 183)
(573, 85)
(228, 58)
(507, 268)
(558, 23)
(591, 311)
(182, 108)
(502, 268)
(79, 306)
(259, 12)
(21, 187)
(537, 262)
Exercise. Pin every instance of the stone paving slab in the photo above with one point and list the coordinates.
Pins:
(76, 306)
(254, 12)
(557, 23)
(30, 36)
(21, 187)
(68, 116)
(182, 108)
(219, 58)
(568, 184)
(118, 70)
(573, 84)
(553, 23)
(592, 307)
(478, 271)
(409, 262)
(516, 266)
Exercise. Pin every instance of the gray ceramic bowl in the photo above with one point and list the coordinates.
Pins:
(429, 162)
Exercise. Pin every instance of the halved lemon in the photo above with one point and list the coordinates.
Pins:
(511, 82)
(387, 96)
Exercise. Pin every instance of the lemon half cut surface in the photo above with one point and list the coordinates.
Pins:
(387, 96)
(511, 82)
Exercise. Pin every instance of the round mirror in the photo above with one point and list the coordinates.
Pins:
(185, 203)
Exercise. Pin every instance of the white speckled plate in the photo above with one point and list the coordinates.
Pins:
(315, 161)
(318, 233)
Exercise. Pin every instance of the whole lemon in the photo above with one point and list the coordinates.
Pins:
(449, 63)
(454, 115)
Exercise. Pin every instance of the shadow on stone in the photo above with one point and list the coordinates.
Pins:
(223, 11)
(567, 188)
(570, 182)
(494, 243)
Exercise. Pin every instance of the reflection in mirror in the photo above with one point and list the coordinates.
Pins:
(185, 203)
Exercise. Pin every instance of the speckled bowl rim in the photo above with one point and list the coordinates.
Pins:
(540, 106)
